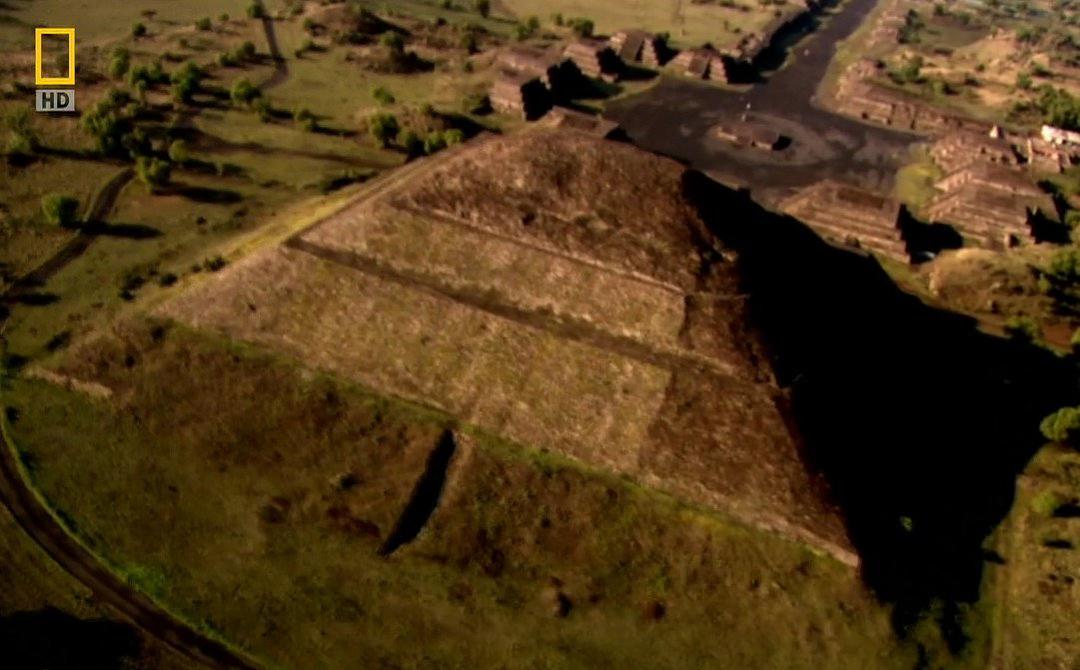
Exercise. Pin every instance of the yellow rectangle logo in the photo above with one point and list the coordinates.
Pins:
(39, 77)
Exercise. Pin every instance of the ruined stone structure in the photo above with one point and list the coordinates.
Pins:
(750, 48)
(749, 134)
(516, 93)
(991, 205)
(850, 215)
(594, 58)
(959, 149)
(1045, 156)
(561, 117)
(872, 101)
(557, 290)
(638, 47)
(1060, 136)
(529, 80)
(542, 64)
(704, 63)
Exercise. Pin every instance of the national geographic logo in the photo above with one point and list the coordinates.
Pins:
(54, 99)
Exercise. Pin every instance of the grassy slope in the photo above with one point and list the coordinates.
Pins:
(33, 582)
(209, 454)
(1037, 628)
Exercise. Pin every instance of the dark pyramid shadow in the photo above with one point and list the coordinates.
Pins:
(50, 638)
(919, 422)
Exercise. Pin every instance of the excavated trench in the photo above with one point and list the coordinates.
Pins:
(425, 496)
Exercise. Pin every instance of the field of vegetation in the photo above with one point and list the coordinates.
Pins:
(198, 125)
(1017, 61)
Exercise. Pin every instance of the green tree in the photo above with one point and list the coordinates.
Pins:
(411, 143)
(60, 210)
(21, 139)
(153, 172)
(138, 30)
(382, 95)
(243, 92)
(434, 143)
(103, 124)
(255, 10)
(1023, 329)
(186, 81)
(178, 152)
(120, 63)
(453, 137)
(582, 27)
(483, 7)
(383, 127)
(246, 51)
(1063, 426)
(469, 42)
(393, 41)
(263, 108)
(203, 23)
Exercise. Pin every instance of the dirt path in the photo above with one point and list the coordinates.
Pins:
(102, 204)
(281, 68)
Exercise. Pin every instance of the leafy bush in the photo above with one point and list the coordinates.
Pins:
(21, 140)
(60, 210)
(203, 23)
(453, 137)
(255, 10)
(1045, 503)
(1059, 108)
(178, 152)
(482, 7)
(138, 30)
(263, 108)
(120, 63)
(383, 96)
(186, 81)
(393, 41)
(153, 172)
(306, 119)
(434, 143)
(1023, 329)
(582, 27)
(1063, 426)
(214, 263)
(411, 143)
(246, 51)
(243, 92)
(383, 127)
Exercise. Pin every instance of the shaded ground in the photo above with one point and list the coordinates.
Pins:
(920, 422)
(673, 118)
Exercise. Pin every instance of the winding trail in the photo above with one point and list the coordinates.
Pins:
(36, 518)
(45, 529)
(103, 202)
